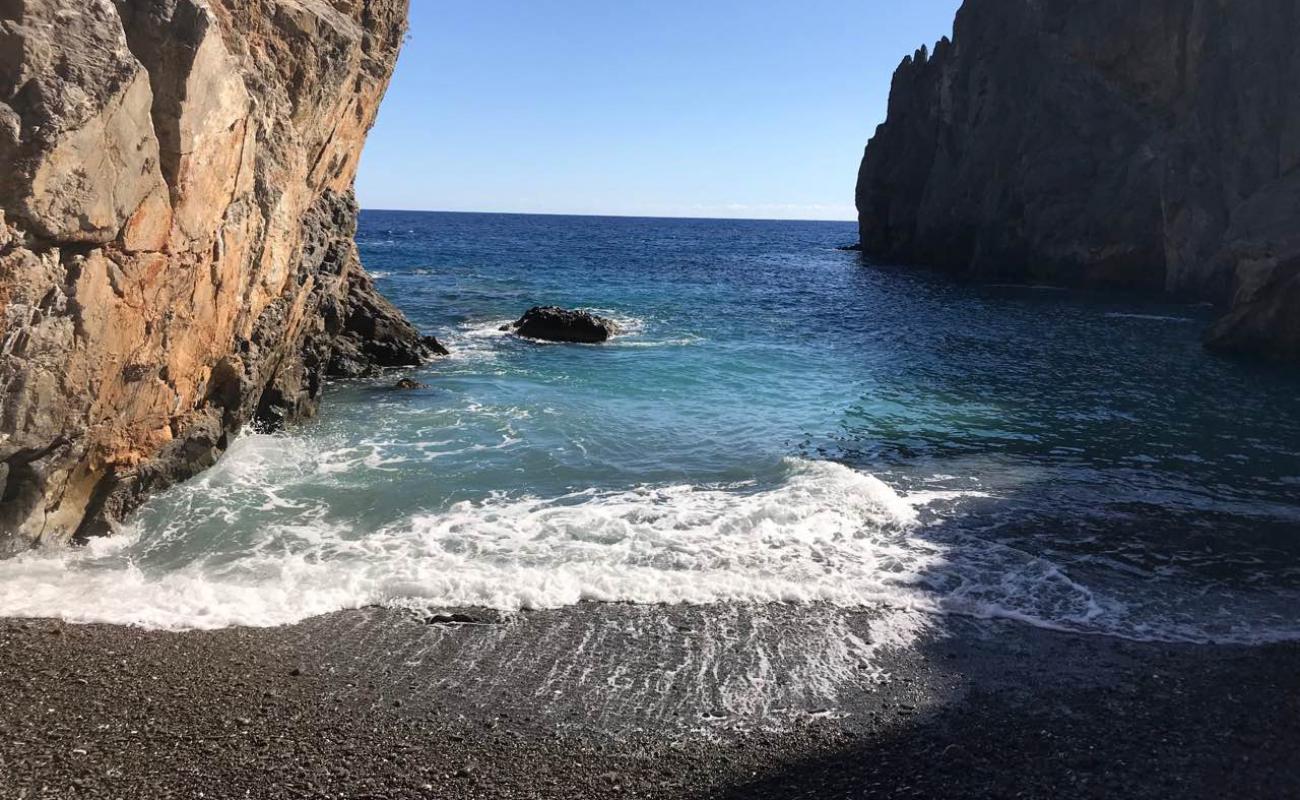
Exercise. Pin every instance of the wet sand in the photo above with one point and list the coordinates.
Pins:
(604, 701)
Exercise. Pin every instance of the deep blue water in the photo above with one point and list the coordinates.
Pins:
(781, 422)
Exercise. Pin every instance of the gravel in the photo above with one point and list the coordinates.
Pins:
(607, 701)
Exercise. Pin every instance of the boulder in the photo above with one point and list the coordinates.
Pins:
(554, 324)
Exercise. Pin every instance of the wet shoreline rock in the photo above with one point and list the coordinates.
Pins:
(555, 324)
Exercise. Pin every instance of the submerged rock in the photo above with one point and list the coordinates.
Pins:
(554, 324)
(1151, 146)
(410, 383)
(455, 619)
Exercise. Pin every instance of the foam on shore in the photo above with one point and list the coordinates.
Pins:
(824, 534)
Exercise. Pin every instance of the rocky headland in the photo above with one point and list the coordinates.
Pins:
(176, 238)
(1149, 145)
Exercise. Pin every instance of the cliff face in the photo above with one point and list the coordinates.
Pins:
(1148, 144)
(176, 251)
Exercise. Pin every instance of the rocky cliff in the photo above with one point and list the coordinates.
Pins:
(176, 238)
(1144, 144)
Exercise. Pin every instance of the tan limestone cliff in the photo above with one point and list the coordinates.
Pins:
(176, 254)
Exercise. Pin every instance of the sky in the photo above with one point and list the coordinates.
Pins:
(707, 108)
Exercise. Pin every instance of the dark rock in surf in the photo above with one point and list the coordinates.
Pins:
(554, 324)
(367, 333)
(850, 248)
(434, 346)
(455, 619)
(406, 384)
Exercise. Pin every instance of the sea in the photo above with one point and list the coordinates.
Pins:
(779, 422)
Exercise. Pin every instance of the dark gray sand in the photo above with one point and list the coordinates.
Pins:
(606, 701)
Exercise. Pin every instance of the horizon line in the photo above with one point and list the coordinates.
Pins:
(604, 216)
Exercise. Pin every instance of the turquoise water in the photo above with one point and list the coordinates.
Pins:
(780, 422)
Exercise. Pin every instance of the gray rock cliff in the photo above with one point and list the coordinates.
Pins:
(1138, 144)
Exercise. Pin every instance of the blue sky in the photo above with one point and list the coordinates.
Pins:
(711, 108)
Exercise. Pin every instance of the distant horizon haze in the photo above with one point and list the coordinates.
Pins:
(671, 110)
(601, 216)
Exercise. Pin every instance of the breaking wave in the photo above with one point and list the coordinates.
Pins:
(823, 533)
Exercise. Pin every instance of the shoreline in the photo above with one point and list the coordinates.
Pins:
(638, 701)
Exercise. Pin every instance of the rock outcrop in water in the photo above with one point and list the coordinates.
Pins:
(1144, 144)
(176, 238)
(553, 324)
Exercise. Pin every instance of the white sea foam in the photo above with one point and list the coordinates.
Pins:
(475, 341)
(491, 329)
(823, 534)
(826, 534)
(628, 326)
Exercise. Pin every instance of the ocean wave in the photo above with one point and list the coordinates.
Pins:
(679, 341)
(1148, 317)
(628, 326)
(1035, 287)
(476, 340)
(669, 544)
(822, 533)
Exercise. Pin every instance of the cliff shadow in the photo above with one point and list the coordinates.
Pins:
(1043, 714)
